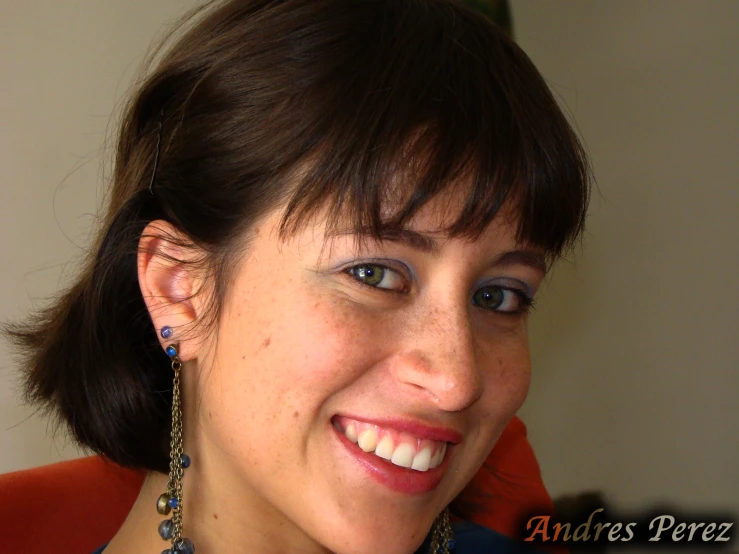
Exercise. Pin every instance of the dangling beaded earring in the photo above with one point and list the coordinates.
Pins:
(171, 501)
(442, 536)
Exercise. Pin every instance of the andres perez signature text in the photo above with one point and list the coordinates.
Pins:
(664, 527)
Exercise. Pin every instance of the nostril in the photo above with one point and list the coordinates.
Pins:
(450, 383)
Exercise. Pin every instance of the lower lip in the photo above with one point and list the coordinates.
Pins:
(396, 478)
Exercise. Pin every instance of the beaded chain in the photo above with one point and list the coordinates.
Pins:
(171, 501)
(442, 538)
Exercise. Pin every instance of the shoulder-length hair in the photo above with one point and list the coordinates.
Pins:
(354, 105)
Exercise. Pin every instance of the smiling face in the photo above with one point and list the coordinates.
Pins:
(333, 367)
(335, 354)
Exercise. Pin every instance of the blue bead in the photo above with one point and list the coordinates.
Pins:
(166, 529)
(171, 351)
(185, 459)
(452, 543)
(185, 546)
(166, 332)
(173, 502)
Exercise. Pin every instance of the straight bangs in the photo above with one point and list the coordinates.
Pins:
(363, 109)
(427, 98)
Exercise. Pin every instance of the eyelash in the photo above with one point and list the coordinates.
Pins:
(401, 274)
(526, 303)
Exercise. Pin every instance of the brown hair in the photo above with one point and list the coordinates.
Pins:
(306, 103)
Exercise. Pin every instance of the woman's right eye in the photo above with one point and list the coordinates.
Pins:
(379, 277)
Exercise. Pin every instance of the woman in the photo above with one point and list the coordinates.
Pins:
(306, 310)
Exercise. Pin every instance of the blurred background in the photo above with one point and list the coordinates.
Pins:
(635, 340)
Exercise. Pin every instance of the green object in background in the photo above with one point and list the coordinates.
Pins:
(497, 10)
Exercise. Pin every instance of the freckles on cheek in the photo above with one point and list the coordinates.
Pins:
(341, 343)
(334, 343)
(508, 378)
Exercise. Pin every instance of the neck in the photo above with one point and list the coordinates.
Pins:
(218, 516)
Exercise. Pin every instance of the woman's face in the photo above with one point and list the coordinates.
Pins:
(332, 358)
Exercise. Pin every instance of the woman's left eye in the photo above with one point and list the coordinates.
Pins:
(502, 299)
(378, 276)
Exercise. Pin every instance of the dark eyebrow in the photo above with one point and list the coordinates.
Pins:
(530, 258)
(413, 239)
(426, 244)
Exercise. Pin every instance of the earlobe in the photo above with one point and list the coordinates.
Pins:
(169, 285)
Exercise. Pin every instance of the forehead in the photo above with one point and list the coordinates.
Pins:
(428, 231)
(447, 210)
(441, 217)
(463, 203)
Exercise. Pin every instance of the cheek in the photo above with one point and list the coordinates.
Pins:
(321, 342)
(282, 357)
(506, 371)
(507, 377)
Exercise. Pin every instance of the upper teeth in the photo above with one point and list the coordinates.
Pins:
(417, 454)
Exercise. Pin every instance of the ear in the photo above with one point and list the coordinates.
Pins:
(170, 285)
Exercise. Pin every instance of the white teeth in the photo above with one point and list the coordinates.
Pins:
(385, 448)
(403, 455)
(438, 457)
(435, 460)
(368, 440)
(422, 460)
(351, 432)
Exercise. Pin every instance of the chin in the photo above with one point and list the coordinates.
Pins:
(391, 531)
(388, 542)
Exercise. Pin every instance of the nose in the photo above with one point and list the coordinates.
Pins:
(438, 359)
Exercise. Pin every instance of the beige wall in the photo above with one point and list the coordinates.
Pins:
(635, 349)
(65, 65)
(636, 346)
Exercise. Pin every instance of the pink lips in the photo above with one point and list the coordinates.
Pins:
(396, 478)
(417, 429)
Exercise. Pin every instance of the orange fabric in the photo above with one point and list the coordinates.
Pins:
(68, 508)
(74, 507)
(507, 489)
